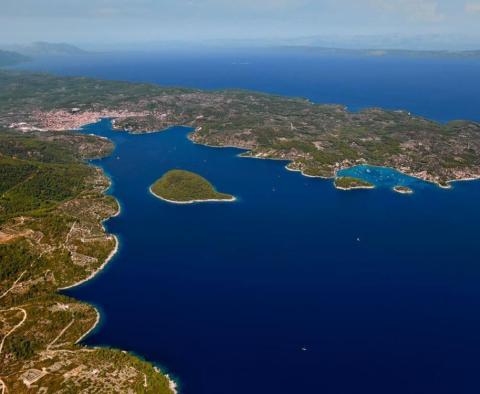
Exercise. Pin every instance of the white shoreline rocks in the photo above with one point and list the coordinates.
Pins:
(188, 202)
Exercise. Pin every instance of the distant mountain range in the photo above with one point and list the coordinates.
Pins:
(391, 45)
(41, 48)
(384, 52)
(420, 42)
(15, 54)
(8, 58)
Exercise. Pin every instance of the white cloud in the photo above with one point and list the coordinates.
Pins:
(472, 7)
(416, 10)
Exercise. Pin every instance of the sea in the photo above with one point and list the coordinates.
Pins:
(296, 287)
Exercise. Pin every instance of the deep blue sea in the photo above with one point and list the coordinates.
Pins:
(296, 287)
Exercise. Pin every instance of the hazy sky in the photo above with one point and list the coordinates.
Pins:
(155, 20)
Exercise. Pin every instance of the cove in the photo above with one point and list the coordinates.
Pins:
(294, 288)
(382, 177)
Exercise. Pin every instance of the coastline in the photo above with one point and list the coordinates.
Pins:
(190, 136)
(192, 133)
(446, 186)
(172, 385)
(95, 324)
(117, 242)
(233, 199)
(99, 269)
(461, 180)
(288, 168)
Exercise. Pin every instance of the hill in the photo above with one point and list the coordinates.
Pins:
(383, 52)
(185, 187)
(9, 58)
(41, 48)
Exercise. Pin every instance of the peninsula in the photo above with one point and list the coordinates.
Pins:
(185, 187)
(52, 205)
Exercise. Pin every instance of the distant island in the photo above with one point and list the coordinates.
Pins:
(185, 187)
(16, 54)
(349, 183)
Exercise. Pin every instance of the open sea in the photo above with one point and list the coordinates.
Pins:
(296, 287)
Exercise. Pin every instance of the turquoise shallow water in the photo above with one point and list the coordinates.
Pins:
(383, 177)
(296, 287)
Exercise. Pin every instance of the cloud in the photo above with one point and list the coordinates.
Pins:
(414, 10)
(472, 7)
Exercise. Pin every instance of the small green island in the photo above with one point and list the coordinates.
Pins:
(403, 190)
(349, 183)
(185, 187)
